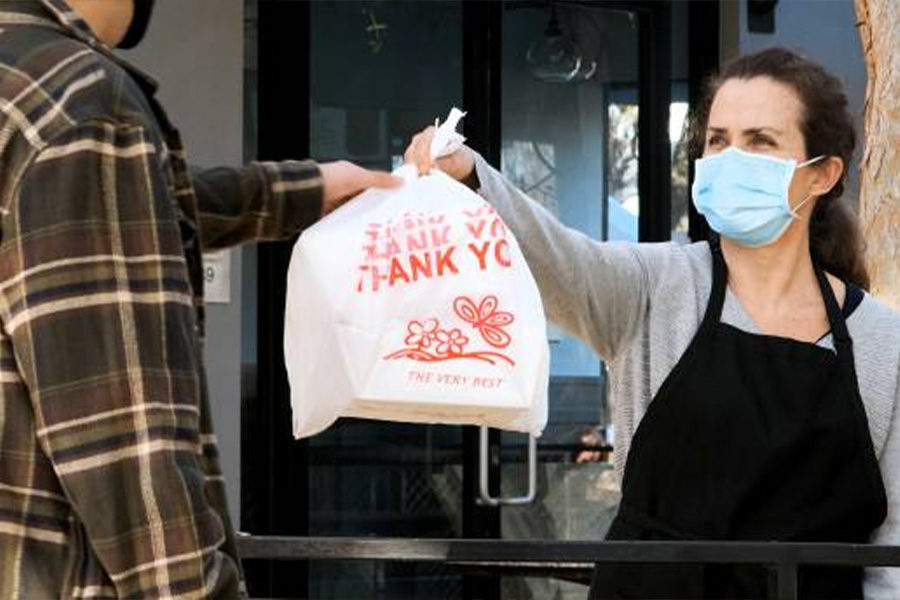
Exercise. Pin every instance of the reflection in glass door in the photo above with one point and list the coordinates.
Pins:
(571, 139)
(379, 72)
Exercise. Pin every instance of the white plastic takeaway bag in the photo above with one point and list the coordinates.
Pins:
(415, 304)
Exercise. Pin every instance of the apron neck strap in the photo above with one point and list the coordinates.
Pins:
(843, 343)
(841, 336)
(835, 317)
(719, 283)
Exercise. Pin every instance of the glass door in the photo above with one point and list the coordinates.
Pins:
(570, 140)
(379, 72)
(576, 77)
(571, 101)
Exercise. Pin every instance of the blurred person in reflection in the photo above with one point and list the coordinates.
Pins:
(592, 446)
(109, 479)
(754, 381)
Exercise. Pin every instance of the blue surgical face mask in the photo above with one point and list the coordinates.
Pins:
(744, 196)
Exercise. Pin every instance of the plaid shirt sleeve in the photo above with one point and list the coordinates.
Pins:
(95, 296)
(260, 202)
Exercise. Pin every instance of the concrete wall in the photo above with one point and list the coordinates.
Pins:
(195, 49)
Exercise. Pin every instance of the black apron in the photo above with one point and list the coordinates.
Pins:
(751, 437)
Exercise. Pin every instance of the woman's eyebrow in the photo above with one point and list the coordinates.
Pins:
(749, 131)
(756, 130)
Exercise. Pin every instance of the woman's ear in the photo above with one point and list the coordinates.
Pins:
(826, 174)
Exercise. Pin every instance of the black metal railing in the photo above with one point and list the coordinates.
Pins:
(551, 558)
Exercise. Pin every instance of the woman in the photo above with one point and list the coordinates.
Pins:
(754, 382)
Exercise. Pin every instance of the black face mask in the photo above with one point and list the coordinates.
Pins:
(142, 11)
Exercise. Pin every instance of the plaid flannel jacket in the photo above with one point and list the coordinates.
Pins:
(109, 480)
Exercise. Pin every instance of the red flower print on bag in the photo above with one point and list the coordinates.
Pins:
(486, 319)
(421, 335)
(426, 341)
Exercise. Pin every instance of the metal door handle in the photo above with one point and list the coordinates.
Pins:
(484, 496)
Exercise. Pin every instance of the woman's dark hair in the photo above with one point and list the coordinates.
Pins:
(827, 127)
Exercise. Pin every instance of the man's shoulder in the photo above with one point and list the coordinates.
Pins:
(51, 82)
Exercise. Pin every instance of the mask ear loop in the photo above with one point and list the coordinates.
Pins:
(811, 161)
(794, 210)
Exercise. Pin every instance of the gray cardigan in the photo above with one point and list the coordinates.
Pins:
(639, 306)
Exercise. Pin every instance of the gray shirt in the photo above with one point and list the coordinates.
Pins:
(639, 306)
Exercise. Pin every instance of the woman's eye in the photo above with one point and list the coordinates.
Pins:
(715, 141)
(761, 140)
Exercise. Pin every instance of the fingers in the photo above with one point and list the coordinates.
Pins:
(448, 164)
(330, 205)
(413, 151)
(461, 166)
(419, 151)
(382, 179)
(342, 180)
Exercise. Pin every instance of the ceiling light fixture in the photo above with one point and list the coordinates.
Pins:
(556, 57)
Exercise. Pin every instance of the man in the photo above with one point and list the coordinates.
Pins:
(109, 482)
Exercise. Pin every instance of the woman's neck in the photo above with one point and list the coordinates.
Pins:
(777, 286)
(771, 274)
